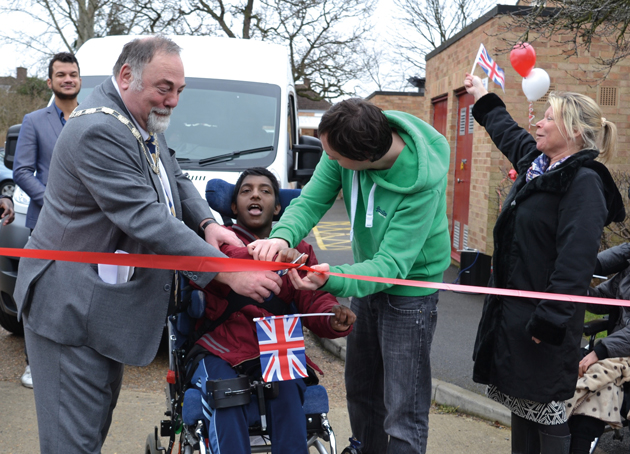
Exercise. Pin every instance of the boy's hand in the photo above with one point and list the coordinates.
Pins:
(266, 249)
(343, 319)
(289, 254)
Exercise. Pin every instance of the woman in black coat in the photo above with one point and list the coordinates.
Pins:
(546, 239)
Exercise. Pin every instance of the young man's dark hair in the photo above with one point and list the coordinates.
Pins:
(259, 172)
(357, 130)
(63, 57)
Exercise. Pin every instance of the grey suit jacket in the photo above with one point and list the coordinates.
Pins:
(38, 135)
(102, 196)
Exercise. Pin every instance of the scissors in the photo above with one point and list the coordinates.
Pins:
(283, 272)
(286, 270)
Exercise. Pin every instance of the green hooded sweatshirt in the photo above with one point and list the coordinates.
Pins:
(399, 226)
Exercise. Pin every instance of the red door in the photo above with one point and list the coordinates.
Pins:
(439, 114)
(463, 160)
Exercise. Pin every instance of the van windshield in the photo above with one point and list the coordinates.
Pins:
(219, 117)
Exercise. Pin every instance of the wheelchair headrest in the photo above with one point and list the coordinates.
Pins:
(219, 197)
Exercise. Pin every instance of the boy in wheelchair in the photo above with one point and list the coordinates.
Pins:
(229, 345)
(601, 386)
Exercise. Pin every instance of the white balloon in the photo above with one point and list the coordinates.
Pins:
(536, 84)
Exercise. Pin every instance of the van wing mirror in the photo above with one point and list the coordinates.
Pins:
(306, 155)
(10, 145)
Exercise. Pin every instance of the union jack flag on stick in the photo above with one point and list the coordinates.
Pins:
(490, 67)
(281, 343)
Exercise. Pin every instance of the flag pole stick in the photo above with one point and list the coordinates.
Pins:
(472, 71)
(275, 317)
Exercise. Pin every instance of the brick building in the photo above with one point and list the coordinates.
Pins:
(405, 101)
(478, 170)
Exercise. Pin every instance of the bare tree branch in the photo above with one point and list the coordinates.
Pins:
(423, 25)
(324, 37)
(573, 25)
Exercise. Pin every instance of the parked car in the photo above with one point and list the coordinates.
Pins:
(7, 185)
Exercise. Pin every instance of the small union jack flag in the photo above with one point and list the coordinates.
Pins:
(490, 67)
(281, 343)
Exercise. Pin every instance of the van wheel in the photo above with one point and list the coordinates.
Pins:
(11, 324)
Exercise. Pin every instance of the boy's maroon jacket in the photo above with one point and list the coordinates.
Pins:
(235, 340)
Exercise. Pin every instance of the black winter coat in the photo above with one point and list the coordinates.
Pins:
(545, 239)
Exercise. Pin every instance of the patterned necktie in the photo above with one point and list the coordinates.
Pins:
(152, 146)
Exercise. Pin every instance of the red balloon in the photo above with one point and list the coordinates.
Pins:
(523, 58)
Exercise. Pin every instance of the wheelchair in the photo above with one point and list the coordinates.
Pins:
(591, 330)
(184, 427)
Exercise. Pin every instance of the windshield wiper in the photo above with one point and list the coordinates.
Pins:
(233, 154)
(182, 159)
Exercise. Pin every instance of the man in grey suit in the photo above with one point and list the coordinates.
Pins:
(109, 189)
(38, 135)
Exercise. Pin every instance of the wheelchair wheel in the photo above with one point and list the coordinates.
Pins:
(152, 445)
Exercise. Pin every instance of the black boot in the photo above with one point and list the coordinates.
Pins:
(551, 444)
(525, 437)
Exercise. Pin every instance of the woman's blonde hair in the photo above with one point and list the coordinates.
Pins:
(582, 114)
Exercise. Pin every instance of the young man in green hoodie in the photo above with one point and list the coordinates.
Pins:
(392, 169)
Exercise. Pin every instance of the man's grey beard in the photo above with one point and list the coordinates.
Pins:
(159, 120)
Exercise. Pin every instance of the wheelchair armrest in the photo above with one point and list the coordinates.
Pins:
(595, 326)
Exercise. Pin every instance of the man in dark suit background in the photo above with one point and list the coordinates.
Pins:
(113, 185)
(38, 135)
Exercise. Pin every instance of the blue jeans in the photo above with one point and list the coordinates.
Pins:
(388, 372)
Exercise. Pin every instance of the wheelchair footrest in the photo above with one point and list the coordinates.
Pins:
(314, 426)
(315, 400)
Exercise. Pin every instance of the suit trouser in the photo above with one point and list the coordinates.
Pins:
(76, 390)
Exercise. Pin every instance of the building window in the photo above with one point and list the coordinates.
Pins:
(608, 96)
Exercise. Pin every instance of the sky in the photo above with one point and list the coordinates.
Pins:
(12, 57)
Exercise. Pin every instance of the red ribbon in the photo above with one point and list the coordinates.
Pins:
(228, 265)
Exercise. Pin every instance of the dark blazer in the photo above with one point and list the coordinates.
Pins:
(38, 135)
(102, 196)
(546, 239)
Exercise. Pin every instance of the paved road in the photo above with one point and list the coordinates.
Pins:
(138, 411)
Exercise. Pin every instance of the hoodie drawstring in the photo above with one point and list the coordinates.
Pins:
(369, 215)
